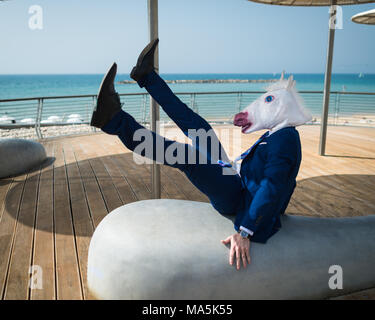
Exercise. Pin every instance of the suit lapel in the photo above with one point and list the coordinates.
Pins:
(251, 150)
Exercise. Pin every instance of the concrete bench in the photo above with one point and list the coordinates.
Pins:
(18, 156)
(171, 249)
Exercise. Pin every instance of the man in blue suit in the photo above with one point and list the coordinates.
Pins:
(258, 194)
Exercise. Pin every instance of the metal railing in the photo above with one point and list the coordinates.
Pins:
(41, 117)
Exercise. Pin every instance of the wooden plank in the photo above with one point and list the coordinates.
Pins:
(140, 189)
(332, 196)
(368, 294)
(138, 177)
(122, 164)
(5, 185)
(136, 174)
(184, 185)
(295, 207)
(120, 181)
(124, 167)
(17, 286)
(44, 246)
(68, 279)
(8, 222)
(352, 145)
(172, 189)
(142, 173)
(83, 225)
(105, 182)
(94, 196)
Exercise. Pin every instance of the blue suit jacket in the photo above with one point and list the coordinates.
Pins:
(268, 175)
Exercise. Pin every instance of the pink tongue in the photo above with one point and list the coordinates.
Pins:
(240, 119)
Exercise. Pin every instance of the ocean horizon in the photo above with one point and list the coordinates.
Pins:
(34, 85)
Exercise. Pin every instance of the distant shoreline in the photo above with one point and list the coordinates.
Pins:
(209, 81)
(18, 86)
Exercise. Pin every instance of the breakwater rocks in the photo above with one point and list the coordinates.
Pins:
(209, 81)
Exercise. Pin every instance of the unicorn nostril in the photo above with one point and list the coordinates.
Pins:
(240, 119)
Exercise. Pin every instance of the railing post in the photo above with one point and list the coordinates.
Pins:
(94, 101)
(88, 108)
(338, 97)
(337, 107)
(144, 120)
(39, 118)
(192, 103)
(239, 100)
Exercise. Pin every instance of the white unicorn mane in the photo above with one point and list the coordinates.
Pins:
(278, 85)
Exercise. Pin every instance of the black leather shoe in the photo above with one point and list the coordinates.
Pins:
(145, 63)
(108, 103)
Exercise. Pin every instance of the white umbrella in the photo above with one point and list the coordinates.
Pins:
(331, 37)
(74, 115)
(366, 17)
(6, 119)
(74, 120)
(28, 121)
(52, 119)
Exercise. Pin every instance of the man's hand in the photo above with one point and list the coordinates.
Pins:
(240, 247)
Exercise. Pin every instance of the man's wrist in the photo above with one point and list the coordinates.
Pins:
(244, 232)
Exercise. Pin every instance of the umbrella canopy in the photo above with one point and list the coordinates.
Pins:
(309, 3)
(367, 17)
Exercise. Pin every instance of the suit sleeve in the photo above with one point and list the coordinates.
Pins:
(281, 158)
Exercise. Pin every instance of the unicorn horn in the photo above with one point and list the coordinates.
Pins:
(290, 82)
(282, 75)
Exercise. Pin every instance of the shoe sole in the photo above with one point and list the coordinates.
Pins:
(150, 47)
(104, 80)
(147, 49)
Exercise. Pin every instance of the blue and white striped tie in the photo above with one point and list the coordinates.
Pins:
(242, 156)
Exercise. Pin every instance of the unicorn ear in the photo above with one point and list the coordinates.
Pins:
(282, 75)
(290, 82)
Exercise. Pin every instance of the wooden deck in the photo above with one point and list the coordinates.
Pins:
(48, 216)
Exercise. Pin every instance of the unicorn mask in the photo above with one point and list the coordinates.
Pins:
(280, 107)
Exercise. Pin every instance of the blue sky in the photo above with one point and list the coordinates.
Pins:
(196, 36)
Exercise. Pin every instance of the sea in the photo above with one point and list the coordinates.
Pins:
(26, 86)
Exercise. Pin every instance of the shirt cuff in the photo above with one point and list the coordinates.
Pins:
(247, 230)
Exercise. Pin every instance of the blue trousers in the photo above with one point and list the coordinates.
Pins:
(224, 191)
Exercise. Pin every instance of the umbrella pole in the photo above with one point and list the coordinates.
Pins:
(154, 108)
(327, 81)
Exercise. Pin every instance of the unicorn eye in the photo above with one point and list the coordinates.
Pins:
(269, 99)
